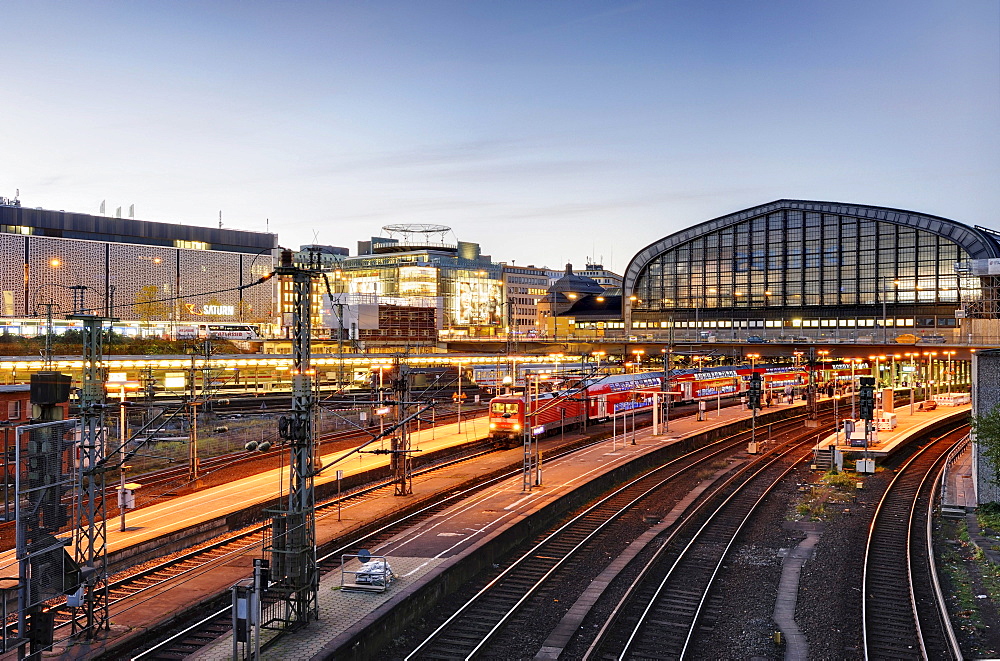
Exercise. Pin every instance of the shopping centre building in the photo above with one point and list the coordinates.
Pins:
(150, 275)
(817, 270)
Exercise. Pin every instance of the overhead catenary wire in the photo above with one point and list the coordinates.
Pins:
(259, 281)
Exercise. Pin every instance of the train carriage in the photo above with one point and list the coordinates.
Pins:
(698, 385)
(595, 399)
(603, 397)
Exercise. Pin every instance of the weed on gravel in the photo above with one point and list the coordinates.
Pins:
(971, 584)
(831, 493)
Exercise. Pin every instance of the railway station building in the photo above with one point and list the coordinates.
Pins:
(799, 270)
(151, 275)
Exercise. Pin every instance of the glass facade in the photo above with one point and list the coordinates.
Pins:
(471, 291)
(794, 267)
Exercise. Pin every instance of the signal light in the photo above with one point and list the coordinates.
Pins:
(866, 398)
(756, 388)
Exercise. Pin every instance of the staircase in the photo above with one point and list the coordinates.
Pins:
(823, 460)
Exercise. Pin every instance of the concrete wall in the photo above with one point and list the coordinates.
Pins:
(985, 396)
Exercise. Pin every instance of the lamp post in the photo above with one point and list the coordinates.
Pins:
(854, 386)
(876, 370)
(928, 380)
(459, 427)
(836, 411)
(597, 355)
(949, 367)
(913, 376)
(638, 359)
(823, 354)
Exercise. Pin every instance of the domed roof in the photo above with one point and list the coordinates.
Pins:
(576, 284)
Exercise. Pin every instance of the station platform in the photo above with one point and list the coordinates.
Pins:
(958, 490)
(418, 557)
(455, 538)
(885, 442)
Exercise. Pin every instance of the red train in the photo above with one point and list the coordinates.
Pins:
(549, 411)
(602, 397)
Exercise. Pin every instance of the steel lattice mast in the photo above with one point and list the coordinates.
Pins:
(293, 543)
(90, 532)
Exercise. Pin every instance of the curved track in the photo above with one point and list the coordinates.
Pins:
(903, 613)
(662, 608)
(182, 643)
(552, 559)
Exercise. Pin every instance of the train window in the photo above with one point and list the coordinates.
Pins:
(512, 408)
(498, 407)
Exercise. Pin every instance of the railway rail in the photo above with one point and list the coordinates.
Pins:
(149, 578)
(904, 615)
(186, 641)
(557, 555)
(663, 606)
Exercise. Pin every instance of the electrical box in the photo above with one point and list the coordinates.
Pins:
(48, 388)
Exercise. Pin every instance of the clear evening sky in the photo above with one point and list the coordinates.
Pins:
(547, 131)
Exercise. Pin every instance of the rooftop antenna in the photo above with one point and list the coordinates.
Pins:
(102, 206)
(220, 219)
(131, 211)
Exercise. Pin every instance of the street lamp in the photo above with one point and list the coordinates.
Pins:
(598, 355)
(876, 370)
(950, 368)
(854, 386)
(928, 379)
(823, 354)
(638, 359)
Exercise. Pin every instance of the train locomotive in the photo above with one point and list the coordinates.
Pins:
(599, 398)
(594, 399)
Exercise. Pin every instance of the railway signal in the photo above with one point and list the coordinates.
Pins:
(755, 391)
(866, 398)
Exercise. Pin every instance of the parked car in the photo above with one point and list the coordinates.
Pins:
(755, 339)
(932, 339)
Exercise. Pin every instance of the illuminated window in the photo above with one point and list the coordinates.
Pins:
(191, 245)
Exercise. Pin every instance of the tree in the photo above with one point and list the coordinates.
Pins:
(148, 305)
(986, 429)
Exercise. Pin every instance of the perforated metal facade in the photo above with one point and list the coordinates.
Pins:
(133, 283)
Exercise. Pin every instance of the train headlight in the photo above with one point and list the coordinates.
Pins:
(493, 425)
(517, 427)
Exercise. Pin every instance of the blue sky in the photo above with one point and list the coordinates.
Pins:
(546, 131)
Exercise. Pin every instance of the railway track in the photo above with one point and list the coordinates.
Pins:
(151, 577)
(195, 636)
(663, 607)
(903, 611)
(561, 554)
